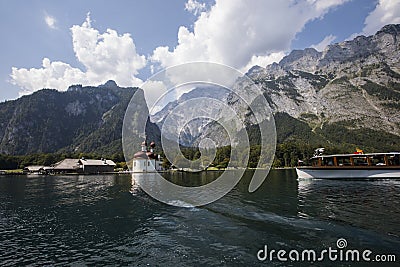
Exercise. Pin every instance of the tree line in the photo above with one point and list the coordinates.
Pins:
(10, 162)
(286, 154)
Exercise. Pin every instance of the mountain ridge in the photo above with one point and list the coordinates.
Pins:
(351, 69)
(82, 119)
(351, 87)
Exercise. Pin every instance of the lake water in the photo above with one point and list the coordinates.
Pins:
(105, 220)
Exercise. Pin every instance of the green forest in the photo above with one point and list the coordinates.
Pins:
(8, 162)
(295, 141)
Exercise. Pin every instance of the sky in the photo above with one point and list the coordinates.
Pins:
(54, 43)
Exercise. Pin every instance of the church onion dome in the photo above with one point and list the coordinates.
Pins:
(140, 155)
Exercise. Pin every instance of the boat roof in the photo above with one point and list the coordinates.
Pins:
(357, 155)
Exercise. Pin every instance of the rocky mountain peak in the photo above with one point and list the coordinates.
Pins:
(393, 29)
(75, 87)
(109, 84)
(380, 46)
(191, 130)
(355, 83)
(301, 59)
(255, 69)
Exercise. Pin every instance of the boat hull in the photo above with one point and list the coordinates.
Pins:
(354, 173)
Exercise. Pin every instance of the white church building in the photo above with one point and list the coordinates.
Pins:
(146, 160)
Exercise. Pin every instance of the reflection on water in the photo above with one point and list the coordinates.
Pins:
(210, 186)
(192, 179)
(107, 220)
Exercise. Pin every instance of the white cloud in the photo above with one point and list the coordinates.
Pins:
(51, 75)
(236, 33)
(263, 61)
(323, 5)
(195, 7)
(105, 56)
(385, 12)
(50, 21)
(324, 43)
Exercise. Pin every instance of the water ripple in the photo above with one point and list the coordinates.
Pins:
(104, 220)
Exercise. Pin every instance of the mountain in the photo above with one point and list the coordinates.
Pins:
(192, 129)
(349, 93)
(81, 119)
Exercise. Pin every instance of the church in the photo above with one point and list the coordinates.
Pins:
(146, 160)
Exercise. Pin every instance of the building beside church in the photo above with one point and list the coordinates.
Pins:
(85, 166)
(146, 160)
(97, 165)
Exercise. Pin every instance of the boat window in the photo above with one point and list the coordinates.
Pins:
(343, 161)
(394, 160)
(327, 161)
(314, 162)
(360, 161)
(378, 160)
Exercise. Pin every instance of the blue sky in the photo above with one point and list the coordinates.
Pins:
(52, 43)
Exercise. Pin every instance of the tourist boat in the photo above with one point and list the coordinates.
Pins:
(352, 166)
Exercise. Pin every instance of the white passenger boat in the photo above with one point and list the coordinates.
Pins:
(352, 166)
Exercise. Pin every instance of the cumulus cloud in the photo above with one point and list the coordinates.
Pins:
(324, 43)
(50, 21)
(385, 12)
(105, 56)
(236, 33)
(195, 7)
(52, 75)
(263, 61)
